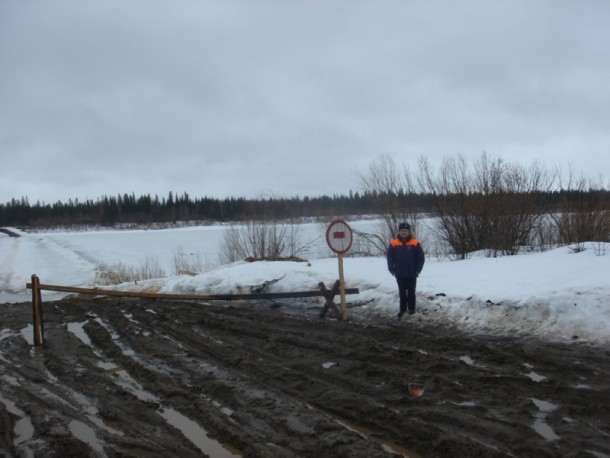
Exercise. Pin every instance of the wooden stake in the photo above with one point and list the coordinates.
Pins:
(36, 300)
(342, 288)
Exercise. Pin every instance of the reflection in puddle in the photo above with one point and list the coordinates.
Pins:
(6, 333)
(583, 386)
(78, 331)
(23, 429)
(467, 359)
(197, 435)
(535, 377)
(540, 425)
(28, 334)
(465, 404)
(93, 413)
(543, 428)
(189, 428)
(85, 434)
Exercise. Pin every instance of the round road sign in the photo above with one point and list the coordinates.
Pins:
(339, 236)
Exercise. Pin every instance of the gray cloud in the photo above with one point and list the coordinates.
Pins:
(243, 98)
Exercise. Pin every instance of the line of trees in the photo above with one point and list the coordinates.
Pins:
(385, 195)
(485, 205)
(129, 209)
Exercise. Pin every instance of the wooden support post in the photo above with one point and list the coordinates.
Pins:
(329, 295)
(342, 288)
(36, 309)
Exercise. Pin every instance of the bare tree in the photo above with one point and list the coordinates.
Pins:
(394, 189)
(495, 206)
(451, 189)
(260, 239)
(583, 213)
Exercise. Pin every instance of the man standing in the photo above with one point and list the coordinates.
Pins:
(405, 262)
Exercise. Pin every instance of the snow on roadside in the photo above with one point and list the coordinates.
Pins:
(561, 294)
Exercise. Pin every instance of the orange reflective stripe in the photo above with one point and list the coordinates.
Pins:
(398, 242)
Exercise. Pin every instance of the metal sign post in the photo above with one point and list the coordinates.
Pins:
(339, 238)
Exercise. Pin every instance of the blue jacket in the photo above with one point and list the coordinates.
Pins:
(405, 258)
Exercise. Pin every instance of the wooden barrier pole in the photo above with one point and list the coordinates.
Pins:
(185, 297)
(36, 300)
(37, 287)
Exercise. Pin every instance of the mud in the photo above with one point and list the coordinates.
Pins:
(143, 378)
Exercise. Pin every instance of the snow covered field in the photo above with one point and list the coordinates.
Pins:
(561, 294)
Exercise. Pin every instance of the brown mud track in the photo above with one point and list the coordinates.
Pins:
(143, 378)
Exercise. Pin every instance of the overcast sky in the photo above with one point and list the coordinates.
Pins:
(283, 98)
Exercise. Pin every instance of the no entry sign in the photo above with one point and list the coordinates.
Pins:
(339, 236)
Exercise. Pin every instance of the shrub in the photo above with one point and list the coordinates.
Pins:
(120, 273)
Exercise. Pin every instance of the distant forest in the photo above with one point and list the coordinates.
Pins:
(129, 209)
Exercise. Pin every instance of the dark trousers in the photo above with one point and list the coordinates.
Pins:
(406, 292)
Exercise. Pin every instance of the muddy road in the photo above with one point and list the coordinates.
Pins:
(143, 378)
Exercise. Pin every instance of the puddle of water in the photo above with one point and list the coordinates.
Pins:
(225, 410)
(543, 428)
(129, 316)
(465, 404)
(23, 429)
(110, 367)
(85, 434)
(5, 333)
(78, 331)
(28, 334)
(116, 338)
(540, 425)
(93, 413)
(535, 377)
(544, 406)
(467, 359)
(189, 428)
(155, 366)
(197, 435)
(129, 384)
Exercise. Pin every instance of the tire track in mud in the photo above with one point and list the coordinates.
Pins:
(270, 412)
(281, 383)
